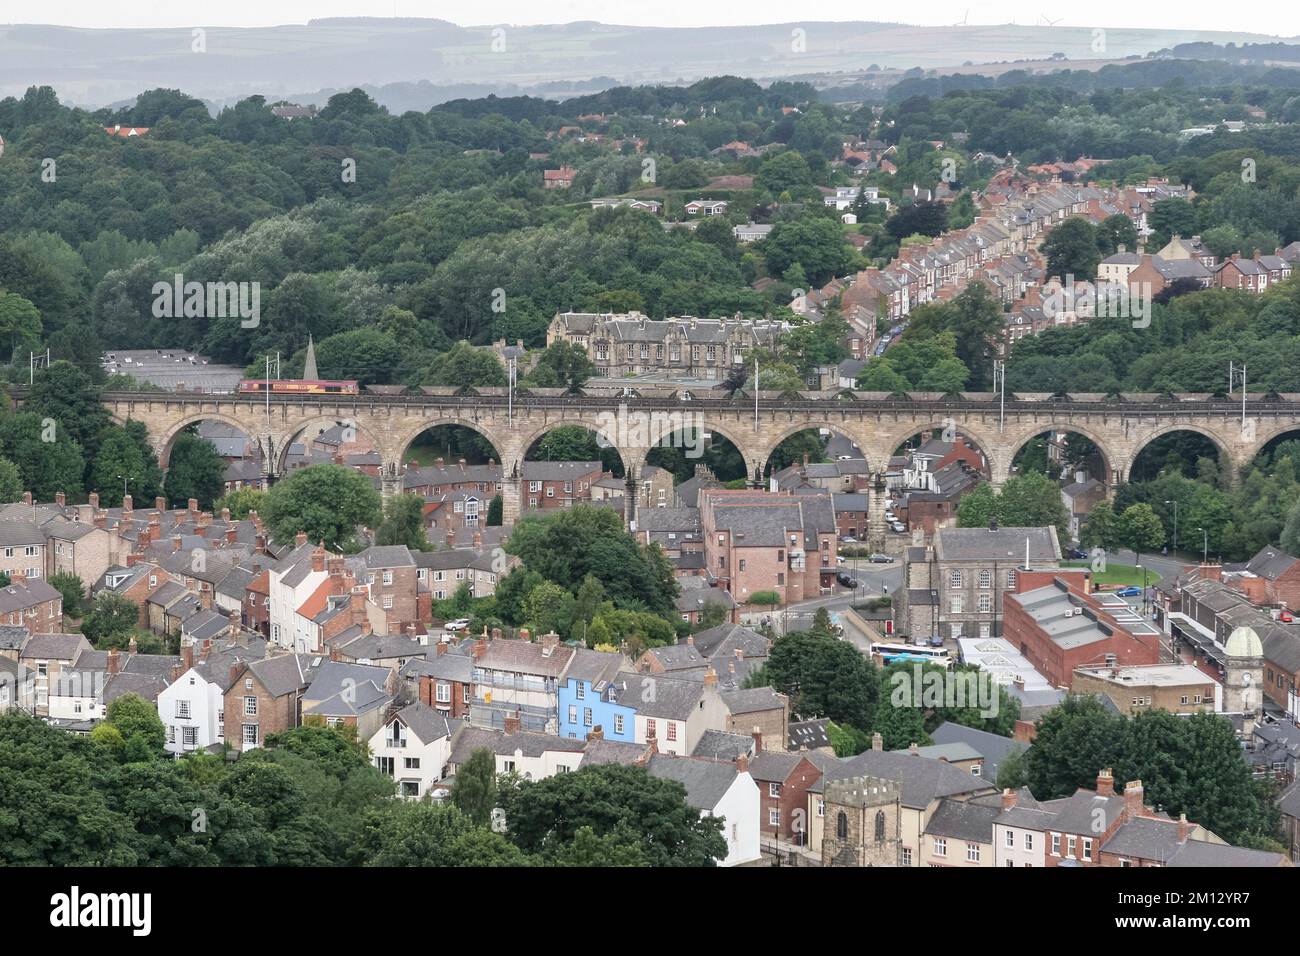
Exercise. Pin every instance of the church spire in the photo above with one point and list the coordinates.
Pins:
(309, 373)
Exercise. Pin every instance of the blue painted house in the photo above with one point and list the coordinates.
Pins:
(588, 699)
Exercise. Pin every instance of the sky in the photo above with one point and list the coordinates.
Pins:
(1282, 19)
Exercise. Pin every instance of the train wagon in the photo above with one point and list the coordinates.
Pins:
(260, 386)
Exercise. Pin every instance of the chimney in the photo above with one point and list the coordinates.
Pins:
(758, 740)
(1008, 799)
(176, 543)
(513, 722)
(128, 503)
(132, 647)
(912, 749)
(27, 497)
(99, 519)
(236, 623)
(206, 649)
(1105, 783)
(357, 605)
(1120, 248)
(187, 655)
(442, 648)
(742, 763)
(877, 742)
(690, 640)
(478, 540)
(438, 463)
(1133, 797)
(597, 733)
(160, 503)
(259, 542)
(1183, 828)
(300, 539)
(335, 565)
(17, 577)
(177, 671)
(480, 648)
(235, 671)
(114, 661)
(740, 654)
(61, 499)
(232, 535)
(451, 537)
(194, 506)
(318, 559)
(225, 515)
(710, 679)
(92, 499)
(335, 655)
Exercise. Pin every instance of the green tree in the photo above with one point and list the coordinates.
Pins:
(241, 502)
(125, 453)
(561, 365)
(1139, 529)
(328, 502)
(824, 677)
(474, 791)
(404, 523)
(194, 470)
(1072, 250)
(109, 616)
(463, 365)
(48, 460)
(71, 589)
(408, 833)
(137, 720)
(20, 327)
(634, 807)
(11, 482)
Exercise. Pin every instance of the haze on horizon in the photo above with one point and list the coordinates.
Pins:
(1111, 14)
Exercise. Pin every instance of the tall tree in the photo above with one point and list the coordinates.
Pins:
(328, 502)
(194, 470)
(474, 791)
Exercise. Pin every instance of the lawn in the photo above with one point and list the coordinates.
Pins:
(1117, 575)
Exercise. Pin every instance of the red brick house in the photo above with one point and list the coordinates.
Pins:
(265, 697)
(783, 780)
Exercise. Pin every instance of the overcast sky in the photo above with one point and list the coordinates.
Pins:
(1282, 19)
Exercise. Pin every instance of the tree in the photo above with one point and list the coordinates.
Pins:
(404, 523)
(1115, 231)
(110, 615)
(567, 443)
(11, 482)
(47, 458)
(137, 720)
(125, 455)
(20, 327)
(66, 394)
(627, 803)
(328, 502)
(817, 245)
(1071, 249)
(474, 791)
(195, 470)
(1139, 529)
(72, 590)
(561, 365)
(900, 727)
(1101, 530)
(548, 608)
(824, 677)
(241, 502)
(409, 833)
(463, 366)
(1031, 500)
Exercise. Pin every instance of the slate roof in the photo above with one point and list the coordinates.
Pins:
(963, 820)
(981, 544)
(18, 597)
(469, 739)
(752, 700)
(921, 779)
(809, 734)
(722, 745)
(285, 673)
(603, 751)
(658, 696)
(706, 781)
(54, 647)
(992, 747)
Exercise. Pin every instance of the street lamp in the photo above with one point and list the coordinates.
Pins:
(1175, 504)
(1205, 552)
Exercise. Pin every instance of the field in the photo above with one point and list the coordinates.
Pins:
(1117, 575)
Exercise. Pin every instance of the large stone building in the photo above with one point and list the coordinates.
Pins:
(862, 822)
(630, 343)
(954, 588)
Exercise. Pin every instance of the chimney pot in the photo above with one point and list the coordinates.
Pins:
(1008, 799)
(877, 742)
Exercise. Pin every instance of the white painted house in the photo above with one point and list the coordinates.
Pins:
(719, 789)
(413, 748)
(292, 580)
(192, 707)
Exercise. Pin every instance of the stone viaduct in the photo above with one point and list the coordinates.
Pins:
(636, 420)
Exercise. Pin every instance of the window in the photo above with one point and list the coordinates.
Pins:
(940, 846)
(385, 765)
(586, 721)
(986, 578)
(1011, 580)
(411, 763)
(1070, 842)
(250, 735)
(581, 692)
(1087, 848)
(972, 852)
(880, 826)
(250, 706)
(672, 730)
(388, 577)
(573, 713)
(907, 856)
(190, 736)
(618, 723)
(534, 486)
(955, 605)
(774, 790)
(650, 730)
(742, 564)
(444, 692)
(508, 766)
(183, 709)
(1011, 839)
(985, 603)
(388, 602)
(842, 825)
(1056, 844)
(954, 579)
(1029, 841)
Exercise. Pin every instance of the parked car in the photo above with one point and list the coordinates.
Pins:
(1076, 553)
(457, 625)
(1285, 617)
(881, 559)
(898, 527)
(846, 580)
(849, 539)
(1131, 590)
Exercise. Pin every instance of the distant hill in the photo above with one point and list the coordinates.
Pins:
(97, 67)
